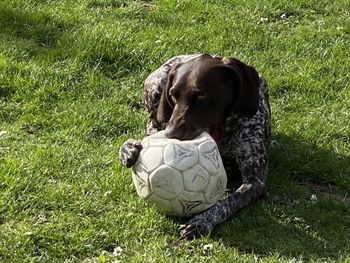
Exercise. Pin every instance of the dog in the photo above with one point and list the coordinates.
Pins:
(227, 98)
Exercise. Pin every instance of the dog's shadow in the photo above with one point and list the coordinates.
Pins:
(306, 212)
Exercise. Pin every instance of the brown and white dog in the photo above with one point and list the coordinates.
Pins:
(225, 97)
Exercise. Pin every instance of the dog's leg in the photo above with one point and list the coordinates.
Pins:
(254, 172)
(205, 222)
(152, 104)
(130, 149)
(153, 87)
(129, 152)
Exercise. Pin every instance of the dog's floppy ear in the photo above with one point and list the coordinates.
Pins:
(166, 105)
(246, 94)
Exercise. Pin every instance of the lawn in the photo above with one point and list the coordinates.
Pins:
(71, 75)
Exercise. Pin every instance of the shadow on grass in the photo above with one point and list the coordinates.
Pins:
(38, 28)
(306, 212)
(305, 162)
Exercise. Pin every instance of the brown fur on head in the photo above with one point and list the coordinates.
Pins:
(202, 92)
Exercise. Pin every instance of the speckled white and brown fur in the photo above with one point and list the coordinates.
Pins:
(242, 146)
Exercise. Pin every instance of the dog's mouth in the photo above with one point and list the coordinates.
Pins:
(183, 134)
(215, 131)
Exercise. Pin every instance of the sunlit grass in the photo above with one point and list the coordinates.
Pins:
(71, 75)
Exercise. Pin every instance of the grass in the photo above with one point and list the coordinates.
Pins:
(71, 75)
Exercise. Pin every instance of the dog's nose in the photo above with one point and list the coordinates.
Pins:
(173, 133)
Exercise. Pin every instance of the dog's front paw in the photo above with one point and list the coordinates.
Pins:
(129, 152)
(194, 228)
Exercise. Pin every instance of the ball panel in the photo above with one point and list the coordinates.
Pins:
(158, 141)
(196, 179)
(144, 142)
(204, 136)
(152, 157)
(160, 203)
(189, 203)
(209, 157)
(223, 182)
(140, 179)
(166, 182)
(160, 134)
(216, 188)
(181, 156)
(180, 178)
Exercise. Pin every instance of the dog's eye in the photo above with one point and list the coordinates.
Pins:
(201, 97)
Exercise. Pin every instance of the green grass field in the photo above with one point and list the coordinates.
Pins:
(71, 75)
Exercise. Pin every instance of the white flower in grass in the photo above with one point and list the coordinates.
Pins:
(207, 248)
(117, 251)
(107, 193)
(313, 199)
(285, 16)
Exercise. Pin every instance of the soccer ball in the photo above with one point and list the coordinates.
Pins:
(180, 178)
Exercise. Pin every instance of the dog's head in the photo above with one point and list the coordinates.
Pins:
(201, 93)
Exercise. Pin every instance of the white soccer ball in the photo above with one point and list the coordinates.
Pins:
(180, 178)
